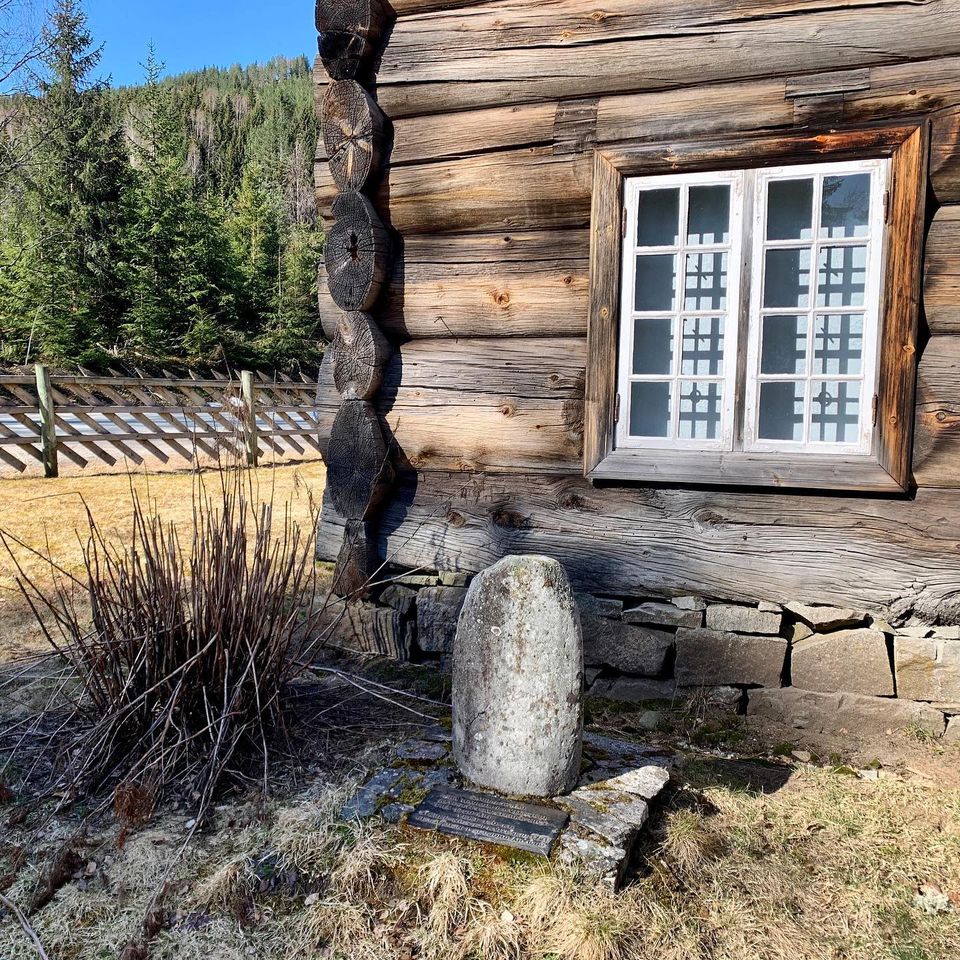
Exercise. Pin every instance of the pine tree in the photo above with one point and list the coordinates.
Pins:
(178, 275)
(65, 297)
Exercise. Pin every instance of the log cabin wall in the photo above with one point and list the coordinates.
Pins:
(496, 110)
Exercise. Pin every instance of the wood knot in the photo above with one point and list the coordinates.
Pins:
(510, 520)
(941, 416)
(598, 16)
(567, 281)
(455, 519)
(604, 312)
(507, 410)
(502, 299)
(571, 501)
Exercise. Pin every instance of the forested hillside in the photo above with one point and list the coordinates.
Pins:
(169, 222)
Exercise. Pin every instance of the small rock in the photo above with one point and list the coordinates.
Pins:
(586, 816)
(395, 812)
(369, 798)
(400, 598)
(798, 630)
(190, 824)
(438, 610)
(600, 862)
(438, 777)
(724, 696)
(825, 618)
(420, 751)
(649, 720)
(599, 606)
(932, 900)
(633, 689)
(437, 733)
(311, 900)
(449, 578)
(665, 614)
(764, 606)
(645, 782)
(418, 579)
(689, 603)
(952, 734)
(728, 618)
(804, 756)
(590, 674)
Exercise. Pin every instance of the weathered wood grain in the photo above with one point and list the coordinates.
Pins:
(349, 33)
(941, 280)
(895, 554)
(356, 561)
(517, 404)
(359, 470)
(356, 253)
(444, 61)
(353, 134)
(945, 155)
(358, 354)
(513, 190)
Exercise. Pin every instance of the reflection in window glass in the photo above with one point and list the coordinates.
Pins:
(706, 282)
(784, 345)
(790, 210)
(787, 278)
(656, 282)
(659, 218)
(650, 409)
(838, 344)
(700, 410)
(709, 216)
(846, 206)
(702, 346)
(835, 411)
(841, 276)
(781, 410)
(653, 346)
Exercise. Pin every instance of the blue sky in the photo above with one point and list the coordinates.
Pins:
(198, 33)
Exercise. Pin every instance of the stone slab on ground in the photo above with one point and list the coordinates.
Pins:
(846, 661)
(633, 689)
(927, 669)
(821, 619)
(437, 611)
(711, 658)
(729, 618)
(637, 650)
(834, 713)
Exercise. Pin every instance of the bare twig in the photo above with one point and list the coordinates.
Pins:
(25, 926)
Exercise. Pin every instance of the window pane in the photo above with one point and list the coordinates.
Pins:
(787, 279)
(649, 409)
(702, 346)
(706, 282)
(653, 346)
(656, 282)
(659, 218)
(842, 277)
(700, 410)
(709, 217)
(835, 411)
(784, 346)
(790, 210)
(846, 206)
(838, 344)
(781, 411)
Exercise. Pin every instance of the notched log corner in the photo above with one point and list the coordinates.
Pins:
(357, 253)
(350, 31)
(359, 471)
(359, 354)
(353, 134)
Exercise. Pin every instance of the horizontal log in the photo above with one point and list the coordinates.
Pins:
(518, 52)
(515, 404)
(897, 554)
(945, 155)
(514, 190)
(941, 274)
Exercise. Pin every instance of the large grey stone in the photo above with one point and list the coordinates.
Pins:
(366, 628)
(633, 689)
(838, 713)
(927, 669)
(663, 614)
(847, 661)
(710, 658)
(733, 619)
(638, 650)
(438, 609)
(822, 619)
(518, 680)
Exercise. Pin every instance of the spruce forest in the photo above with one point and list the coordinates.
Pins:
(168, 224)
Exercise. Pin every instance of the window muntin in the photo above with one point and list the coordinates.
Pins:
(681, 267)
(808, 316)
(814, 321)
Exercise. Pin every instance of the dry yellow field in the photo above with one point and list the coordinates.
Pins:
(50, 516)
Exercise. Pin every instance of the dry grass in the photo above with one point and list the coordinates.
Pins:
(50, 516)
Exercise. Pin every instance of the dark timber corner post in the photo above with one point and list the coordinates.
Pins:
(357, 254)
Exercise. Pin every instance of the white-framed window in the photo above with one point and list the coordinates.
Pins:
(750, 309)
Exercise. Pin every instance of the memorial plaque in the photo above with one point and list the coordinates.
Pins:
(490, 819)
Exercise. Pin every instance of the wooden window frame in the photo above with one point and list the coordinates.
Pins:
(887, 467)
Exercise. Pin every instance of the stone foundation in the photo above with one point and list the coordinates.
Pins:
(818, 668)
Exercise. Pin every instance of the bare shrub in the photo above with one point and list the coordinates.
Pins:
(178, 652)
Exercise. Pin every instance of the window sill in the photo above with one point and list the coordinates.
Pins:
(810, 472)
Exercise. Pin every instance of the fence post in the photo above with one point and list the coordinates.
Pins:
(250, 417)
(48, 422)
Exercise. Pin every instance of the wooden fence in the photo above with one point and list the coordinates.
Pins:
(86, 420)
